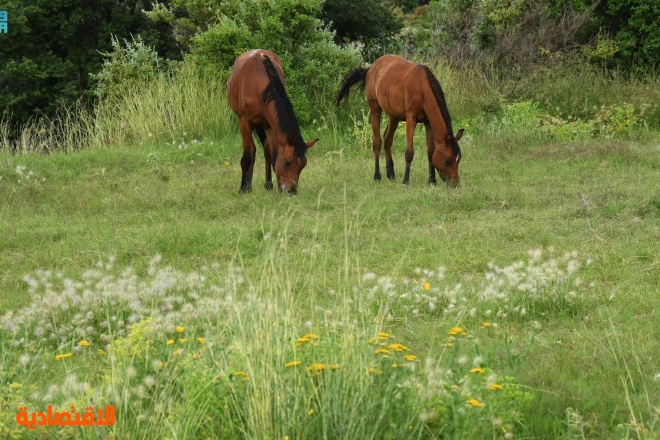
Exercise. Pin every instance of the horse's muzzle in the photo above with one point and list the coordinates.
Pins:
(292, 190)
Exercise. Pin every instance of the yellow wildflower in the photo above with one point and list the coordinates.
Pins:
(383, 336)
(182, 340)
(457, 331)
(475, 403)
(382, 351)
(485, 324)
(179, 329)
(201, 340)
(398, 347)
(477, 370)
(292, 364)
(302, 340)
(495, 387)
(241, 374)
(102, 352)
(170, 341)
(311, 411)
(375, 370)
(395, 365)
(311, 336)
(62, 356)
(334, 366)
(450, 344)
(317, 367)
(427, 286)
(410, 357)
(84, 343)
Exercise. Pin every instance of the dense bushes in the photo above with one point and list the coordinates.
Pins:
(313, 63)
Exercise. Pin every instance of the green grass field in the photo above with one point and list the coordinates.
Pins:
(345, 259)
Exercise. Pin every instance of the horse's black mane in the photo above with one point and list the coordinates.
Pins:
(440, 98)
(286, 119)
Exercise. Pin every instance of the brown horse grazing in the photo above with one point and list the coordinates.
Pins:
(256, 93)
(408, 92)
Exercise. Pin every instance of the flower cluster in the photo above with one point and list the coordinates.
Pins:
(69, 315)
(522, 290)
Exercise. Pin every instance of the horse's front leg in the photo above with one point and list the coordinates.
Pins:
(389, 138)
(410, 147)
(430, 148)
(249, 153)
(269, 166)
(375, 114)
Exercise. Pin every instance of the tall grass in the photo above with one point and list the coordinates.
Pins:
(185, 100)
(191, 100)
(71, 129)
(194, 355)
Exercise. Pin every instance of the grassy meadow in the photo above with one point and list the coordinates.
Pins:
(523, 304)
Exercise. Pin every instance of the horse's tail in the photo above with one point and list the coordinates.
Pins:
(358, 76)
(261, 134)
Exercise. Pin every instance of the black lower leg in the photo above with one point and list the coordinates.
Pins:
(390, 169)
(409, 159)
(377, 171)
(246, 181)
(432, 180)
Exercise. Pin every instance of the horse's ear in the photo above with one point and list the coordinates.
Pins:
(459, 134)
(310, 144)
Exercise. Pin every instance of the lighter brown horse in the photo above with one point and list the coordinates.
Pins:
(408, 92)
(256, 93)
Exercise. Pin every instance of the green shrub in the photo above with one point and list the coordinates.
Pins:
(131, 66)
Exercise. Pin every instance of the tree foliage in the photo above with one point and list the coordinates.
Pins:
(616, 33)
(367, 20)
(53, 45)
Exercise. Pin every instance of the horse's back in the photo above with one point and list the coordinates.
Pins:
(392, 82)
(248, 80)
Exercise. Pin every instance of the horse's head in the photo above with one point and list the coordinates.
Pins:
(446, 157)
(288, 165)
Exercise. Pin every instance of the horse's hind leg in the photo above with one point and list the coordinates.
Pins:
(375, 113)
(389, 138)
(430, 148)
(410, 147)
(249, 152)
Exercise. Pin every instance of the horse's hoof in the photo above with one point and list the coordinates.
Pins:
(391, 176)
(377, 177)
(268, 185)
(406, 182)
(245, 189)
(433, 182)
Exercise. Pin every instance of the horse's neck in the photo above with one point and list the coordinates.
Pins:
(435, 118)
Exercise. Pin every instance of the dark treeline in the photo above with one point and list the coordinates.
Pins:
(54, 48)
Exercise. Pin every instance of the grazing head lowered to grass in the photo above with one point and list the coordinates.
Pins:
(408, 92)
(256, 93)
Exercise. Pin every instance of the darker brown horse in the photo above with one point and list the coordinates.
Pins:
(408, 92)
(256, 94)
